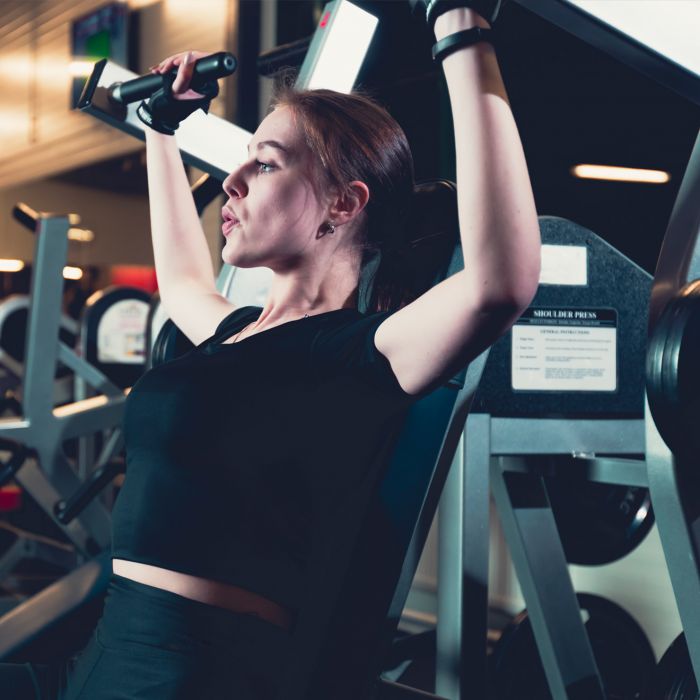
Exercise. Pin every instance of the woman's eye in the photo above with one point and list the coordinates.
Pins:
(264, 165)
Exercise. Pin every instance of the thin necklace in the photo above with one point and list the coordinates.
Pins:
(235, 337)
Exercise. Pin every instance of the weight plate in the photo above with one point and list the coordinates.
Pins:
(598, 523)
(673, 371)
(622, 651)
(654, 365)
(673, 678)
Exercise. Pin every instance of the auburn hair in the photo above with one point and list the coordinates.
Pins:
(353, 137)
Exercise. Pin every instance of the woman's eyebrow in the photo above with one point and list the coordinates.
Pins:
(273, 144)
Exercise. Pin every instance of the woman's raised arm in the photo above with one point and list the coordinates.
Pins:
(497, 216)
(437, 334)
(186, 278)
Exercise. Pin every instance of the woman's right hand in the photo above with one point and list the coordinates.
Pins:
(174, 102)
(184, 63)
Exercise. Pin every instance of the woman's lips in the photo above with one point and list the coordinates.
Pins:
(228, 226)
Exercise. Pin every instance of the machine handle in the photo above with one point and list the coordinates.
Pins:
(206, 69)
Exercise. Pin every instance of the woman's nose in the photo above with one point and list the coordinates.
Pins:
(234, 185)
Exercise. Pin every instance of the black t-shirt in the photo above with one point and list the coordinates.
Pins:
(244, 459)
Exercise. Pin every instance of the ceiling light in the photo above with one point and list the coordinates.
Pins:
(81, 235)
(11, 265)
(72, 273)
(611, 172)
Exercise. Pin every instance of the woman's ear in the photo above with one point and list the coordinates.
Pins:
(349, 204)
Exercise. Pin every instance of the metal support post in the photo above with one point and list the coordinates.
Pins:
(677, 511)
(538, 557)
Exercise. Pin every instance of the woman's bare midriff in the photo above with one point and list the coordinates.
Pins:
(222, 595)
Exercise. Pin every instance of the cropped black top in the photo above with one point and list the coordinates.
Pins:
(242, 457)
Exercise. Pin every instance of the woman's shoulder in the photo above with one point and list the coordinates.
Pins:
(346, 326)
(347, 344)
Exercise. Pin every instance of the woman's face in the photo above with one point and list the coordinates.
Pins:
(272, 213)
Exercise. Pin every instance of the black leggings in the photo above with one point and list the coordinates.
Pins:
(151, 644)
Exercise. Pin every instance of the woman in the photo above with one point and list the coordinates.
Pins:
(246, 455)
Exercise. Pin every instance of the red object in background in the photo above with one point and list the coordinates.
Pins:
(141, 276)
(325, 19)
(10, 498)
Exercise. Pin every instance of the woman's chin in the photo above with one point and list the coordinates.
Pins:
(238, 260)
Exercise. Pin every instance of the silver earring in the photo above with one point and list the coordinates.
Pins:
(330, 227)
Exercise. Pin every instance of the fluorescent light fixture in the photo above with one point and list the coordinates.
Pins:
(338, 48)
(669, 27)
(72, 273)
(81, 235)
(611, 172)
(11, 265)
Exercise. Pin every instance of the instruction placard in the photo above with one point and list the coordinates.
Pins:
(565, 349)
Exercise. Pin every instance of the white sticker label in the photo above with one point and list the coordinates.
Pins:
(564, 264)
(565, 350)
(121, 335)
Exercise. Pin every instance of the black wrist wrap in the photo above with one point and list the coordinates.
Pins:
(460, 40)
(163, 112)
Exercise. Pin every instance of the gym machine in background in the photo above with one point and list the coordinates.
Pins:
(672, 421)
(43, 428)
(556, 433)
(527, 489)
(46, 422)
